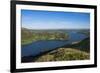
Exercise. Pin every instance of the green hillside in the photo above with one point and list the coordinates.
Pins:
(63, 54)
(28, 36)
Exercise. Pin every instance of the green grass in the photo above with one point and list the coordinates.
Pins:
(63, 54)
(23, 42)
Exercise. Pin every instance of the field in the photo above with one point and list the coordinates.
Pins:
(28, 36)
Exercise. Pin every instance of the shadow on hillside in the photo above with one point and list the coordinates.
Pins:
(83, 45)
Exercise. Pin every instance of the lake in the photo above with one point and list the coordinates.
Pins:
(39, 47)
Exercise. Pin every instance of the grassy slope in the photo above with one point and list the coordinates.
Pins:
(79, 51)
(83, 45)
(26, 36)
(62, 54)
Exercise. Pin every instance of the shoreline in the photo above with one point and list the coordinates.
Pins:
(28, 58)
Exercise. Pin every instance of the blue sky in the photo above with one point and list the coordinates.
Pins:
(35, 19)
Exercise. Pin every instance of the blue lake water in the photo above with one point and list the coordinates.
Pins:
(38, 47)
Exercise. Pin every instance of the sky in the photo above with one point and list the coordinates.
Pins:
(36, 19)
